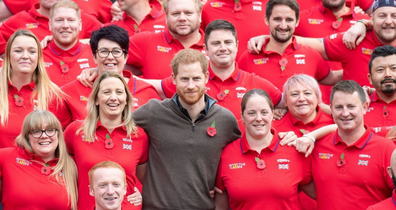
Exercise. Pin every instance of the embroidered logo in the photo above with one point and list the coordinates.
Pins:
(82, 60)
(300, 61)
(127, 146)
(299, 56)
(240, 88)
(283, 166)
(216, 4)
(257, 6)
(32, 25)
(164, 49)
(48, 64)
(325, 156)
(315, 21)
(127, 140)
(260, 61)
(135, 103)
(363, 163)
(367, 51)
(23, 161)
(364, 156)
(83, 98)
(236, 165)
(333, 36)
(84, 65)
(283, 161)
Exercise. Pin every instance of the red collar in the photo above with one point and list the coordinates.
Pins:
(35, 14)
(360, 143)
(315, 121)
(169, 39)
(58, 51)
(234, 76)
(31, 85)
(274, 142)
(293, 45)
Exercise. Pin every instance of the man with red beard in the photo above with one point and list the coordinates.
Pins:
(382, 75)
(65, 57)
(187, 135)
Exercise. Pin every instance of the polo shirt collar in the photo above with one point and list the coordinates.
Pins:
(34, 13)
(58, 51)
(153, 14)
(273, 145)
(315, 121)
(375, 97)
(348, 3)
(131, 82)
(360, 143)
(292, 46)
(31, 156)
(31, 85)
(169, 39)
(234, 76)
(99, 124)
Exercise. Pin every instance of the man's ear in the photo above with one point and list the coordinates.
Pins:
(91, 192)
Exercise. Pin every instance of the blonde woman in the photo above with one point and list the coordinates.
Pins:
(25, 86)
(38, 173)
(108, 133)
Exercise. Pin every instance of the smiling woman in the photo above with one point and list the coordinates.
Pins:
(25, 86)
(42, 167)
(108, 133)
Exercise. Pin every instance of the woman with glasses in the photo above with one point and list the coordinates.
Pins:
(255, 171)
(38, 173)
(25, 86)
(110, 48)
(108, 133)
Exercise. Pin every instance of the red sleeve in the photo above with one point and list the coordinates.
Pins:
(387, 153)
(3, 44)
(242, 62)
(219, 181)
(322, 68)
(15, 6)
(89, 24)
(335, 48)
(62, 112)
(137, 49)
(104, 13)
(168, 87)
(307, 175)
(7, 28)
(147, 89)
(273, 92)
(364, 4)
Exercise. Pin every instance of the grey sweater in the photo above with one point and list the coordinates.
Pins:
(183, 158)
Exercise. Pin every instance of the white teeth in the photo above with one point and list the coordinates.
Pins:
(110, 64)
(113, 105)
(44, 143)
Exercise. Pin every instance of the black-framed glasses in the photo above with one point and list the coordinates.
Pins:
(49, 132)
(116, 52)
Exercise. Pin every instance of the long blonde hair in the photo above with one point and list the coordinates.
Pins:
(89, 125)
(65, 167)
(45, 90)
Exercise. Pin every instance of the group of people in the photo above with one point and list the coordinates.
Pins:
(158, 111)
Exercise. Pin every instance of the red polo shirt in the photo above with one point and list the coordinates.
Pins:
(23, 184)
(78, 94)
(64, 66)
(100, 9)
(38, 24)
(240, 18)
(127, 151)
(354, 62)
(290, 123)
(379, 115)
(363, 173)
(153, 53)
(388, 204)
(17, 113)
(233, 89)
(274, 187)
(299, 60)
(155, 21)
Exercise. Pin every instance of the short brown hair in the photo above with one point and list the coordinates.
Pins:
(189, 56)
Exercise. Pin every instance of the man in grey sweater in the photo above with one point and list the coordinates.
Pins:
(187, 135)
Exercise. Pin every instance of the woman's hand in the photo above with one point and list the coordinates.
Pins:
(287, 138)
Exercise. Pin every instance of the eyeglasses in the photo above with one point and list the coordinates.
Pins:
(116, 52)
(49, 132)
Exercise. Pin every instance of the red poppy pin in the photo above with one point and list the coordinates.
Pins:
(136, 28)
(260, 163)
(211, 130)
(222, 94)
(108, 142)
(18, 100)
(336, 24)
(237, 5)
(386, 112)
(283, 62)
(46, 169)
(341, 161)
(64, 67)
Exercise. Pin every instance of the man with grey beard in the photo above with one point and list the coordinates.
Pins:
(382, 75)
